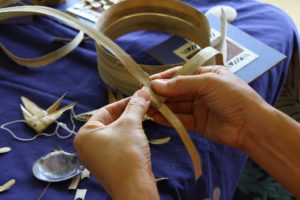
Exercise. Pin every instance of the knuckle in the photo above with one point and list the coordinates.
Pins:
(211, 76)
(176, 81)
(92, 124)
(84, 132)
(212, 79)
(219, 69)
(130, 119)
(137, 102)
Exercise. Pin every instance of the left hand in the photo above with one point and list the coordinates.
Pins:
(113, 146)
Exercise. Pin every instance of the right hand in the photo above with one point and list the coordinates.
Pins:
(114, 147)
(213, 102)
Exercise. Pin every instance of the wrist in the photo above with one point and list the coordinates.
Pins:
(137, 185)
(130, 177)
(273, 143)
(259, 124)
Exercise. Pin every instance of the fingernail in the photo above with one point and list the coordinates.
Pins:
(144, 94)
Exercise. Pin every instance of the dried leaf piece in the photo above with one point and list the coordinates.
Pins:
(217, 193)
(7, 185)
(85, 116)
(114, 96)
(40, 119)
(147, 117)
(85, 174)
(222, 46)
(160, 141)
(74, 183)
(5, 150)
(80, 194)
(111, 96)
(161, 179)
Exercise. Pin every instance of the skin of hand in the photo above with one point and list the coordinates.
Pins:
(113, 146)
(223, 108)
(212, 101)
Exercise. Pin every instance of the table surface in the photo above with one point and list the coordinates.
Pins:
(77, 74)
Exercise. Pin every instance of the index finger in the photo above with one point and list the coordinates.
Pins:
(108, 114)
(217, 69)
(200, 70)
(166, 74)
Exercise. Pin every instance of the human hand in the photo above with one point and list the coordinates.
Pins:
(113, 146)
(213, 102)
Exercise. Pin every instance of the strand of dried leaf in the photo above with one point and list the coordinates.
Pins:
(160, 141)
(5, 150)
(6, 186)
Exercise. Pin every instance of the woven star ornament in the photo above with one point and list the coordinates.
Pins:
(40, 119)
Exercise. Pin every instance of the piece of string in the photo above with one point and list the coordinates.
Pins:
(40, 197)
(55, 132)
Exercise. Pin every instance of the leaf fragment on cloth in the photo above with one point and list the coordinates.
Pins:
(5, 150)
(74, 183)
(85, 174)
(85, 116)
(160, 141)
(80, 194)
(6, 186)
(161, 179)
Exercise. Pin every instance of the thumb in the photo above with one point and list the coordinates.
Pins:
(138, 104)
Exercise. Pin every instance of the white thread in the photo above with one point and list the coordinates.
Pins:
(55, 132)
(3, 126)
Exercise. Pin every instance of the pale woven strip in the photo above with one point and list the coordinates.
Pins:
(199, 59)
(6, 186)
(80, 194)
(74, 183)
(48, 58)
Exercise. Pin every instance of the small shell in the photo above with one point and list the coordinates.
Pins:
(230, 12)
(7, 185)
(5, 150)
(57, 166)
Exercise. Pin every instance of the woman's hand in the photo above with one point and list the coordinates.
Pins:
(113, 146)
(225, 109)
(213, 101)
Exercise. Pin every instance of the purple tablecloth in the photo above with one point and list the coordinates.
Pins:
(77, 74)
